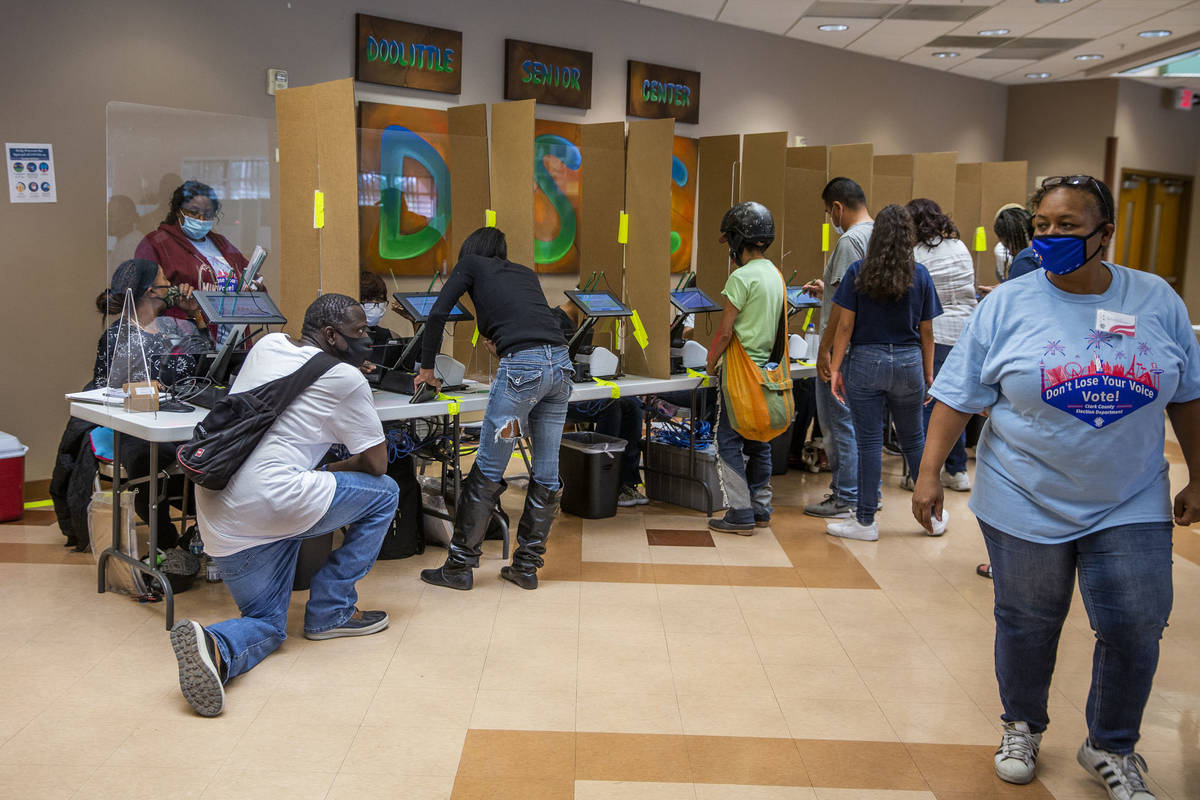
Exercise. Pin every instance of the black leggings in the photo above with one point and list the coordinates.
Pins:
(135, 458)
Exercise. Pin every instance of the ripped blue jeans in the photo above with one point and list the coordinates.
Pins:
(528, 398)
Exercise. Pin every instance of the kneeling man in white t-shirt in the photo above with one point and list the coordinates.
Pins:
(254, 526)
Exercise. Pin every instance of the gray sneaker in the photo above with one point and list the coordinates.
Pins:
(630, 496)
(199, 677)
(1120, 775)
(829, 508)
(1016, 758)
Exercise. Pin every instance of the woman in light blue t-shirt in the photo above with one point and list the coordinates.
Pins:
(1075, 364)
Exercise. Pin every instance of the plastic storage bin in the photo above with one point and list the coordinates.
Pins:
(590, 466)
(669, 477)
(12, 477)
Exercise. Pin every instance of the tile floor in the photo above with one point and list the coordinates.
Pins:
(656, 661)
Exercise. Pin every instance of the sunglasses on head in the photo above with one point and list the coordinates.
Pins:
(1082, 182)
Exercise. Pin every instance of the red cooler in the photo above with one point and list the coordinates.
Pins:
(12, 477)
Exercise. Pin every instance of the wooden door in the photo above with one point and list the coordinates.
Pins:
(1131, 220)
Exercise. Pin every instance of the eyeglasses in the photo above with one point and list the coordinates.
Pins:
(1085, 182)
(203, 216)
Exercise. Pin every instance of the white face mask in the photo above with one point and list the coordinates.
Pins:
(836, 227)
(374, 312)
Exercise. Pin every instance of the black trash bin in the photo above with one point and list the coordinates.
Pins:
(314, 553)
(781, 446)
(590, 466)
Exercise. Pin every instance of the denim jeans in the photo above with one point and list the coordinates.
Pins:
(532, 387)
(956, 462)
(840, 446)
(621, 418)
(744, 467)
(260, 578)
(878, 376)
(1125, 581)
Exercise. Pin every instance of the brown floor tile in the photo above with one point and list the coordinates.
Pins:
(35, 516)
(678, 538)
(529, 788)
(968, 769)
(746, 761)
(514, 755)
(27, 553)
(763, 576)
(860, 765)
(1187, 544)
(614, 572)
(694, 574)
(632, 757)
(836, 576)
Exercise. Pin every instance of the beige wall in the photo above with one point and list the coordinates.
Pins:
(1060, 128)
(71, 59)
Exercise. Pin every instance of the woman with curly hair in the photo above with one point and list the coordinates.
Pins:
(887, 303)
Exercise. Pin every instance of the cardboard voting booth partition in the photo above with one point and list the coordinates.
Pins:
(933, 176)
(856, 162)
(318, 188)
(892, 177)
(719, 161)
(470, 193)
(800, 251)
(511, 168)
(982, 189)
(764, 162)
(648, 253)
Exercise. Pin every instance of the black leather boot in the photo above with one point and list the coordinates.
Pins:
(472, 512)
(541, 505)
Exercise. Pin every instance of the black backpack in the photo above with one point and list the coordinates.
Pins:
(227, 436)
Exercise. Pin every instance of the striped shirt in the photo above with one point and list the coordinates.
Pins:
(953, 272)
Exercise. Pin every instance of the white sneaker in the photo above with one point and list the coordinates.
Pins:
(1120, 775)
(955, 481)
(1016, 758)
(939, 525)
(852, 529)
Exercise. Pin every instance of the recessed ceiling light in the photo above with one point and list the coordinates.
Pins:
(1154, 34)
(833, 28)
(1089, 57)
(1037, 75)
(995, 32)
(945, 54)
(1054, 2)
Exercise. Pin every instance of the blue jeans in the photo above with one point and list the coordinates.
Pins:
(878, 376)
(838, 431)
(1125, 581)
(744, 467)
(531, 387)
(260, 578)
(956, 462)
(621, 418)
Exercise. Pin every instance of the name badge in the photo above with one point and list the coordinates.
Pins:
(1116, 323)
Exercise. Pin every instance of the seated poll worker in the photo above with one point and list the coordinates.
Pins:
(170, 346)
(253, 527)
(620, 417)
(528, 398)
(372, 293)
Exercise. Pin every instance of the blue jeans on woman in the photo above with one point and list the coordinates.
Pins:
(1125, 581)
(837, 430)
(528, 398)
(956, 462)
(879, 376)
(260, 578)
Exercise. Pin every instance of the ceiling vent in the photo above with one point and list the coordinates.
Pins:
(831, 8)
(1032, 48)
(926, 13)
(970, 42)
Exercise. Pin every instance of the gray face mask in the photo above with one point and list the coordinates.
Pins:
(195, 229)
(838, 229)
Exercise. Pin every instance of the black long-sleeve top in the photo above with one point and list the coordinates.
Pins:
(510, 308)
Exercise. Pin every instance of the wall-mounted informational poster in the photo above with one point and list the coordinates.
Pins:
(30, 173)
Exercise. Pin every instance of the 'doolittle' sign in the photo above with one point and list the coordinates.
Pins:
(402, 54)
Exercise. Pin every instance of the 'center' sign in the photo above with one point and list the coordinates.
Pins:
(656, 91)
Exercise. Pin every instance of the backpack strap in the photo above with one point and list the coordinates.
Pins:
(286, 389)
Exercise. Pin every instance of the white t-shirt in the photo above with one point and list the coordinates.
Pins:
(277, 494)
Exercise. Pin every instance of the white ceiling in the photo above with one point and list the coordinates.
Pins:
(1107, 27)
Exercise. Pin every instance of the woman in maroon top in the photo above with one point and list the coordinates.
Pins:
(187, 249)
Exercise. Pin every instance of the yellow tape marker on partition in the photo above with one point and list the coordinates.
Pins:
(453, 402)
(808, 319)
(475, 337)
(623, 229)
(980, 239)
(613, 389)
(318, 209)
(489, 218)
(825, 237)
(697, 374)
(639, 330)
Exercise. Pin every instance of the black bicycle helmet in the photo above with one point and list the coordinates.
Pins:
(747, 223)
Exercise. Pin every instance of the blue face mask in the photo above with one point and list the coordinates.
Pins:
(1063, 255)
(195, 229)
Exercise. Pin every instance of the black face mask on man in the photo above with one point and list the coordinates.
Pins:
(357, 349)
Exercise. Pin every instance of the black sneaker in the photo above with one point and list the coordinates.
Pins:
(722, 525)
(361, 623)
(199, 678)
